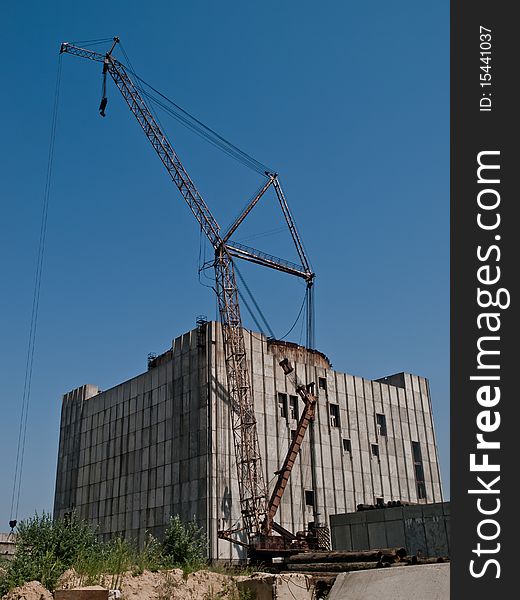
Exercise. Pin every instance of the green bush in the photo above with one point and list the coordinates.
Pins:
(66, 539)
(45, 549)
(185, 544)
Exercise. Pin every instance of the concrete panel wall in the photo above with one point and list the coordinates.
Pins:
(7, 544)
(135, 454)
(345, 478)
(161, 443)
(422, 529)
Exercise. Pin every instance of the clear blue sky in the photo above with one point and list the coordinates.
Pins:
(348, 101)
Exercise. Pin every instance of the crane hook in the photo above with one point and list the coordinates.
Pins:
(102, 106)
(104, 100)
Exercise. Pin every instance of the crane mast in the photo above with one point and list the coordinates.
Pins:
(257, 512)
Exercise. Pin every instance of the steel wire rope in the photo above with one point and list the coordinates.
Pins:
(301, 332)
(250, 311)
(261, 314)
(130, 68)
(226, 146)
(22, 432)
(184, 116)
(220, 142)
(85, 43)
(202, 268)
(199, 131)
(293, 326)
(298, 316)
(262, 234)
(196, 125)
(211, 134)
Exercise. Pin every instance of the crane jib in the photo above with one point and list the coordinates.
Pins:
(252, 489)
(257, 512)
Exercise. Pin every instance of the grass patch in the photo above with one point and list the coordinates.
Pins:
(246, 594)
(46, 548)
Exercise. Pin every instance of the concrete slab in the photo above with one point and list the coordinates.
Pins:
(359, 533)
(434, 509)
(374, 516)
(393, 514)
(395, 534)
(377, 535)
(290, 586)
(94, 592)
(427, 582)
(342, 538)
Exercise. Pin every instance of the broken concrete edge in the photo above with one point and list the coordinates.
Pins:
(88, 592)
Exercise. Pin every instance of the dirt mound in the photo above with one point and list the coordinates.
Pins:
(172, 584)
(33, 590)
(163, 585)
(70, 579)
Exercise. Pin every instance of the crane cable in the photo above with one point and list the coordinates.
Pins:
(194, 124)
(304, 302)
(86, 43)
(210, 135)
(130, 67)
(20, 451)
(215, 139)
(255, 303)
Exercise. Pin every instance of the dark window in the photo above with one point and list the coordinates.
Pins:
(416, 451)
(322, 383)
(380, 502)
(375, 450)
(421, 490)
(381, 424)
(347, 445)
(293, 434)
(334, 415)
(309, 497)
(419, 470)
(282, 405)
(293, 407)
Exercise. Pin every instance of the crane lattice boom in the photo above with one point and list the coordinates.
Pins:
(256, 512)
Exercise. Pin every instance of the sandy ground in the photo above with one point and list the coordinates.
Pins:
(171, 584)
(33, 590)
(164, 585)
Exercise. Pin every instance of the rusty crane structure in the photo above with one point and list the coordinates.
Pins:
(258, 510)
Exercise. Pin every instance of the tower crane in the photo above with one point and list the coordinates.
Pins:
(257, 510)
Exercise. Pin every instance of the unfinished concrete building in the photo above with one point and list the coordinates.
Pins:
(161, 443)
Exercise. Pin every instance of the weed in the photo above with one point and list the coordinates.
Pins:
(246, 594)
(185, 545)
(168, 586)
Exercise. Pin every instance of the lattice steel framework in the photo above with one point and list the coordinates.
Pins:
(252, 488)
